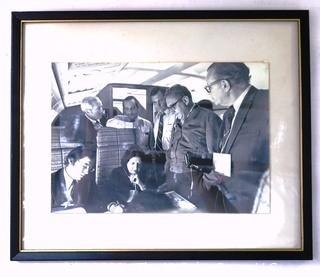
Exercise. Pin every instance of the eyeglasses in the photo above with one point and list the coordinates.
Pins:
(175, 103)
(208, 87)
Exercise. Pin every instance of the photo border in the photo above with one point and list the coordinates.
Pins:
(18, 20)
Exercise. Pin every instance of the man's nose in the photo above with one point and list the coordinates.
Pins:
(85, 170)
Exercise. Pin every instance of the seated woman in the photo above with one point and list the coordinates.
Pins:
(129, 191)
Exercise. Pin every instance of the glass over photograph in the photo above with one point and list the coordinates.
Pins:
(160, 137)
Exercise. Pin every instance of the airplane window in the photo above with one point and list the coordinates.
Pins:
(118, 105)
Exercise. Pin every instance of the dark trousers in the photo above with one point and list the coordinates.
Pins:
(180, 183)
(189, 185)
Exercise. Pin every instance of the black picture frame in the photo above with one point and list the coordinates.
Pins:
(19, 254)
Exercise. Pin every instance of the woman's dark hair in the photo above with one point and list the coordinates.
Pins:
(133, 151)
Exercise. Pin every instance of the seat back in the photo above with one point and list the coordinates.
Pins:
(60, 147)
(111, 146)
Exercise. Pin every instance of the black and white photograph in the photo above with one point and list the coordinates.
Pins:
(160, 135)
(181, 137)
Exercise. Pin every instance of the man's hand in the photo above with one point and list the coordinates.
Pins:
(212, 179)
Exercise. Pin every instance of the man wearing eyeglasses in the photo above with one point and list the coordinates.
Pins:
(72, 186)
(196, 130)
(244, 135)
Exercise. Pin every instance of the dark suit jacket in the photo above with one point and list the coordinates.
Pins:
(84, 131)
(248, 145)
(81, 193)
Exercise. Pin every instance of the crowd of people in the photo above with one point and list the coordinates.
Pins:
(236, 146)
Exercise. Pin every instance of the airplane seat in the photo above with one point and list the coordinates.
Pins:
(111, 146)
(60, 147)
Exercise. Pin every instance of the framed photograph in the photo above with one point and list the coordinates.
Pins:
(160, 135)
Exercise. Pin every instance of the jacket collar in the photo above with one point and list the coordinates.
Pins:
(240, 118)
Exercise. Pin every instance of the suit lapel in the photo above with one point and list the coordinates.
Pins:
(240, 117)
(61, 186)
(61, 179)
(103, 120)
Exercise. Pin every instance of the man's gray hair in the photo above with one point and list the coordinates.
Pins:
(89, 101)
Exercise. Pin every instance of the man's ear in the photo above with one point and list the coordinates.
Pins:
(226, 85)
(186, 100)
(71, 161)
(88, 111)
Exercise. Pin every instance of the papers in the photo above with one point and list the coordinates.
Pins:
(222, 163)
(180, 202)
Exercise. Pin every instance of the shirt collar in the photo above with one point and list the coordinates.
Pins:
(236, 105)
(92, 120)
(190, 111)
(67, 178)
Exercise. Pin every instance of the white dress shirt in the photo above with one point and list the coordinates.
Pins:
(236, 105)
(142, 125)
(168, 123)
(68, 189)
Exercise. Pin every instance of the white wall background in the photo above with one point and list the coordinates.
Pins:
(249, 268)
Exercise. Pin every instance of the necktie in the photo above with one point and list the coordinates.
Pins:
(226, 125)
(97, 125)
(159, 135)
(68, 193)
